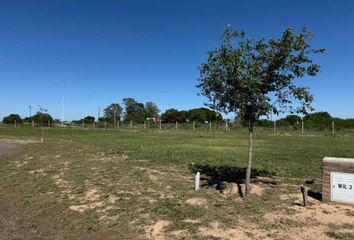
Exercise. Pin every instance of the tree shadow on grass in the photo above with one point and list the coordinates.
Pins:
(218, 176)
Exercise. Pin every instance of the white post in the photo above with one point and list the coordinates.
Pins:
(131, 123)
(118, 124)
(197, 182)
(274, 126)
(144, 125)
(302, 127)
(226, 126)
(210, 126)
(176, 125)
(332, 127)
(15, 123)
(160, 125)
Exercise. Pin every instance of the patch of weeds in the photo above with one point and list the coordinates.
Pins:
(338, 235)
(326, 212)
(349, 212)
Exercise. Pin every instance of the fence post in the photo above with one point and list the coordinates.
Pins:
(105, 124)
(83, 124)
(332, 127)
(210, 126)
(193, 125)
(160, 125)
(302, 127)
(93, 124)
(48, 123)
(118, 124)
(33, 123)
(144, 125)
(15, 123)
(131, 123)
(226, 126)
(274, 126)
(176, 125)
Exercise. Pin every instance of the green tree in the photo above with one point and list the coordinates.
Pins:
(88, 119)
(173, 115)
(256, 77)
(151, 110)
(42, 118)
(112, 113)
(11, 119)
(134, 111)
(203, 115)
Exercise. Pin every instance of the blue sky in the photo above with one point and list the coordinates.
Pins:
(98, 52)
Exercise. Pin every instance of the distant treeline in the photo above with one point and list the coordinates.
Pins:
(318, 120)
(133, 111)
(137, 112)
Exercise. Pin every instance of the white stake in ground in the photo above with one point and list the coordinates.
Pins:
(197, 182)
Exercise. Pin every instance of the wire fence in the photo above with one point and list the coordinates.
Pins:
(225, 126)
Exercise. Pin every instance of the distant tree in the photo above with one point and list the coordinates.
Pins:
(203, 115)
(11, 119)
(112, 113)
(290, 120)
(319, 120)
(134, 111)
(173, 115)
(42, 118)
(256, 77)
(88, 119)
(151, 110)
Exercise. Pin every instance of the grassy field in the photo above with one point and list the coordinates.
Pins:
(110, 184)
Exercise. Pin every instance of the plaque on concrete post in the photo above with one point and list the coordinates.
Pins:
(338, 180)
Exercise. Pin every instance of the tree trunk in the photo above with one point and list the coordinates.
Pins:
(249, 165)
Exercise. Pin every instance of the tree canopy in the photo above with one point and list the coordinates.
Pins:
(256, 77)
(11, 119)
(112, 113)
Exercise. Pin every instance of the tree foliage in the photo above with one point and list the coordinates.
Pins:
(203, 115)
(112, 113)
(173, 115)
(42, 118)
(256, 77)
(134, 111)
(151, 110)
(11, 119)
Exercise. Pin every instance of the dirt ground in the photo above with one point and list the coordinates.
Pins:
(68, 191)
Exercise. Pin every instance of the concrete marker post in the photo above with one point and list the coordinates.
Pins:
(197, 182)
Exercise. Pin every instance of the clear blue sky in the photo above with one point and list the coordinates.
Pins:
(95, 52)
